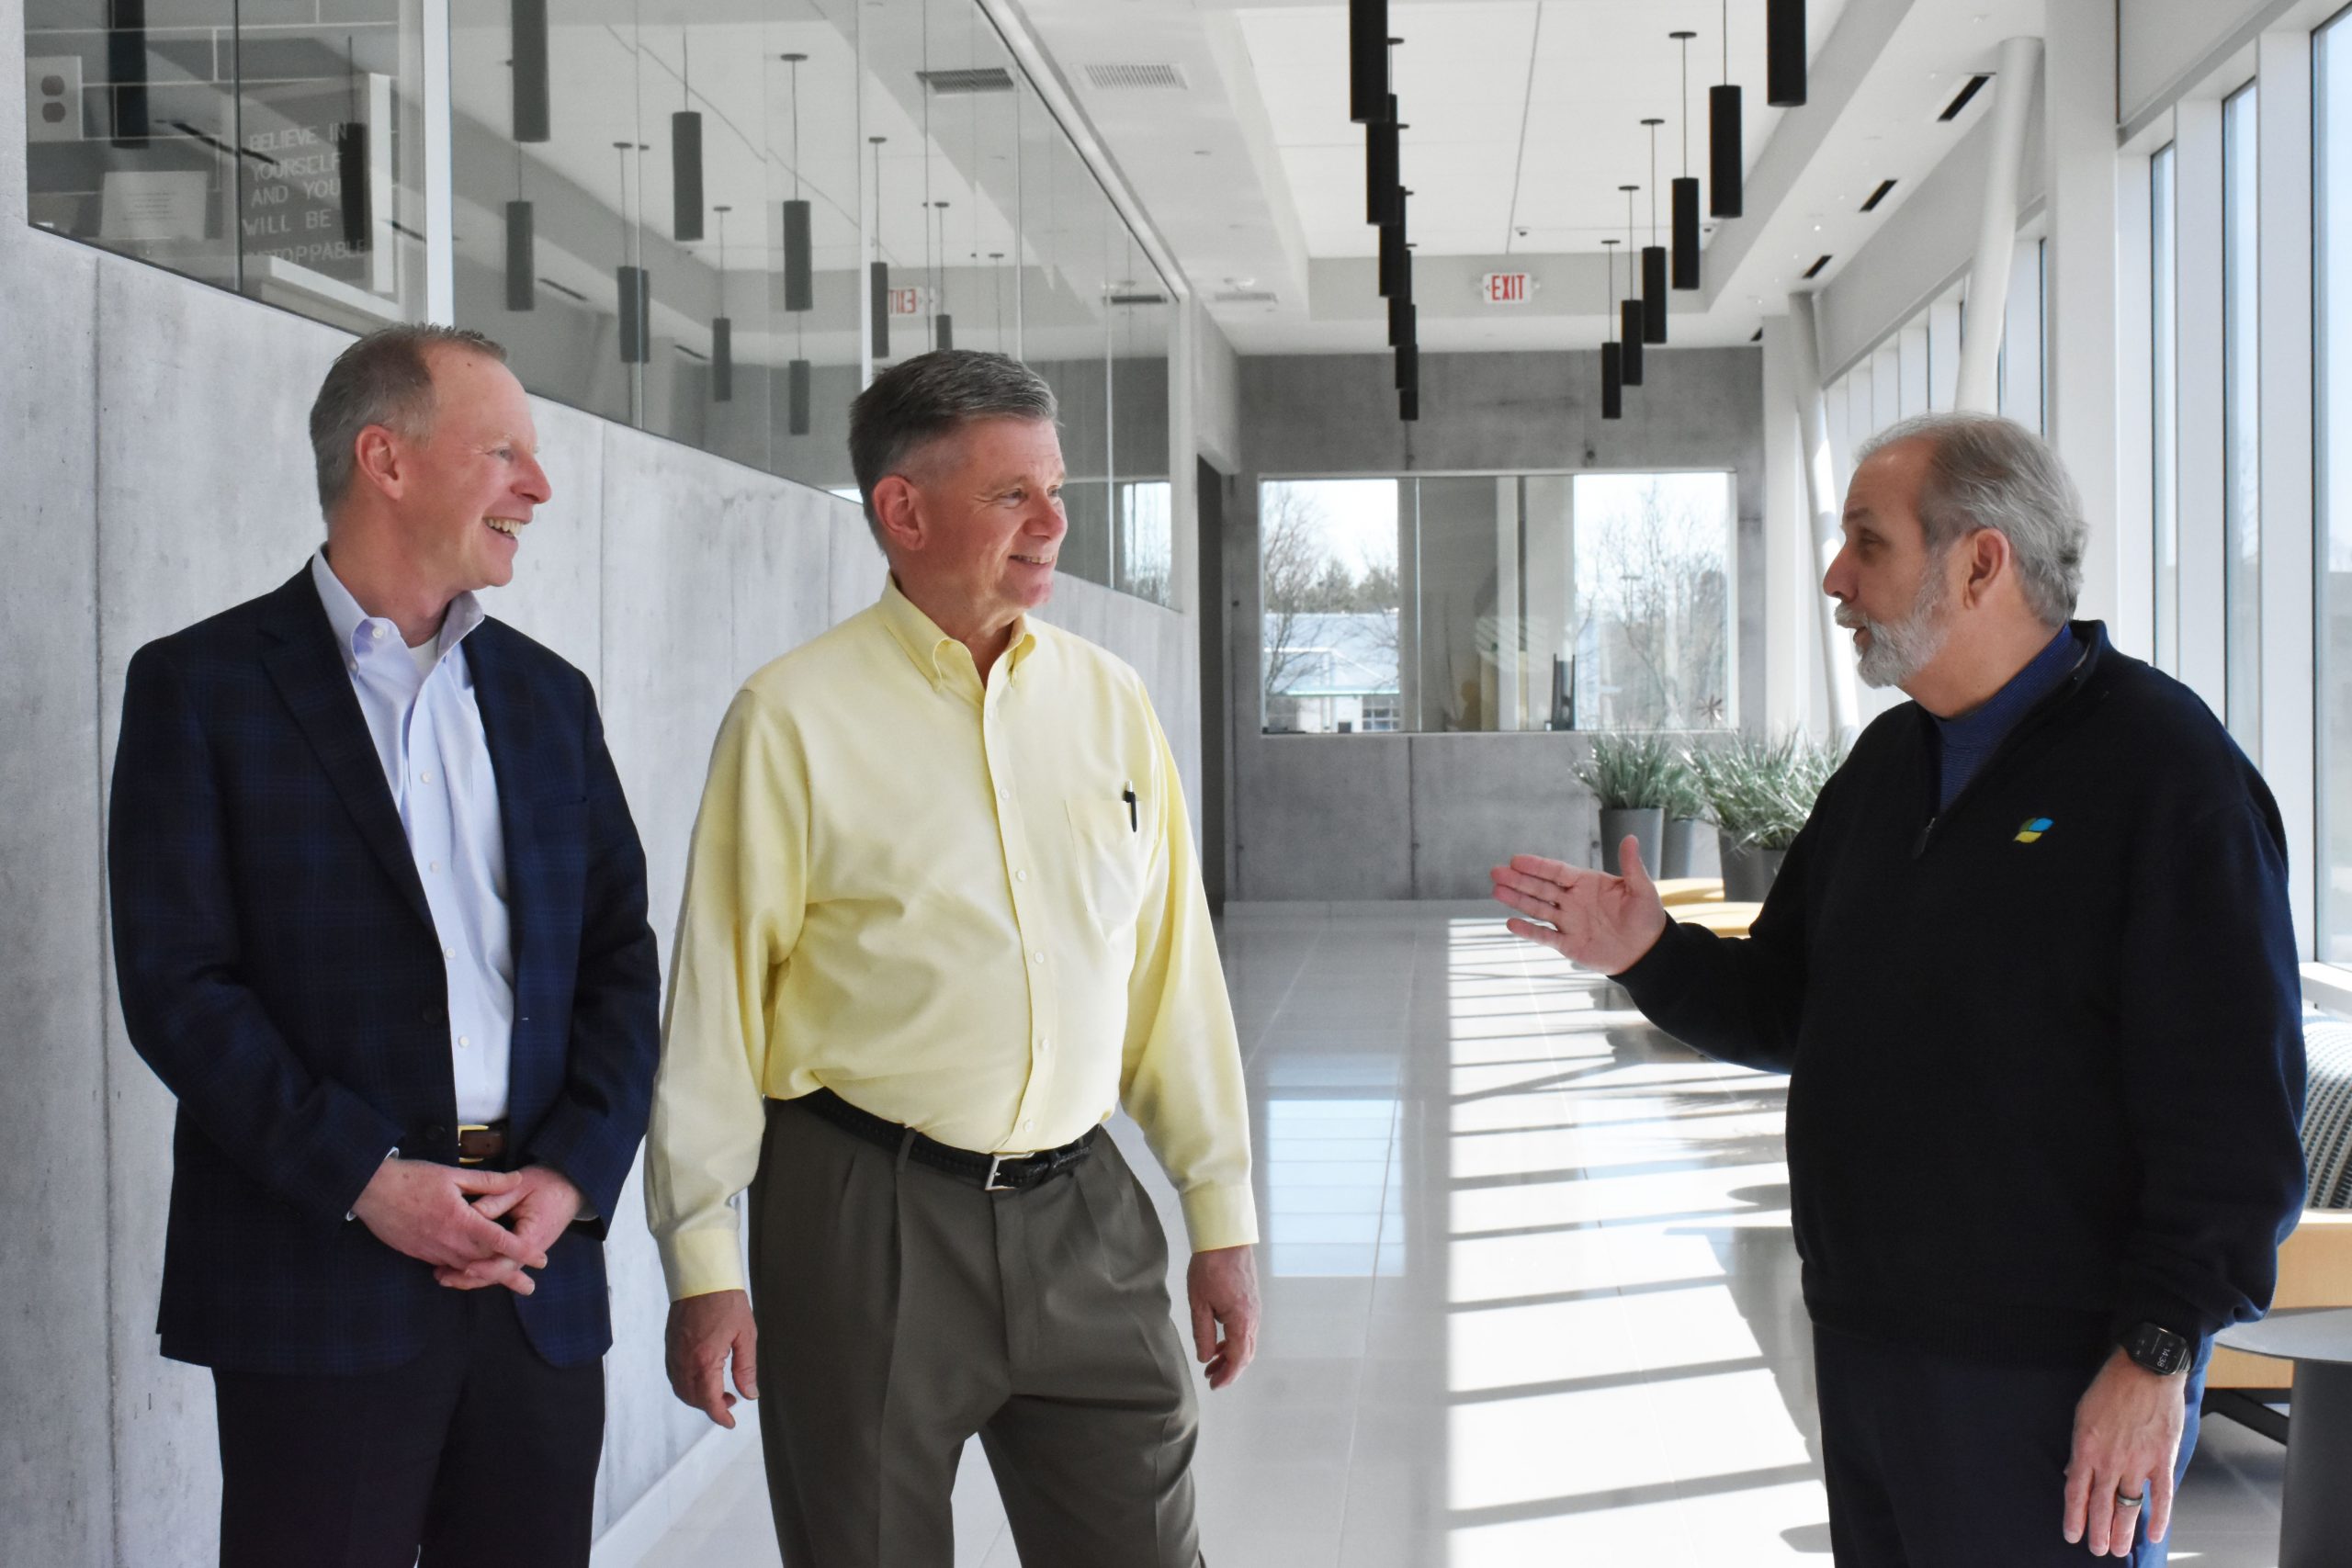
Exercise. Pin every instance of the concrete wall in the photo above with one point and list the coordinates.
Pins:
(1423, 817)
(150, 430)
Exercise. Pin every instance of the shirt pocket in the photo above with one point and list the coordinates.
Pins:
(1108, 853)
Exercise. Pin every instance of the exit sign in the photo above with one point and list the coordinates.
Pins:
(1506, 288)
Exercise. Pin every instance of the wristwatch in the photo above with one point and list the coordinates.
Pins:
(2157, 1349)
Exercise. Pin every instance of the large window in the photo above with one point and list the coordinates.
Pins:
(2241, 421)
(706, 220)
(2332, 218)
(2164, 327)
(1513, 602)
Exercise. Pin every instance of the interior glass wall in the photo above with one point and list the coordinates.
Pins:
(706, 218)
(2241, 420)
(1526, 602)
(276, 154)
(2332, 218)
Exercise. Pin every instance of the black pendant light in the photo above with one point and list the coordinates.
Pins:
(1403, 322)
(1613, 357)
(1631, 331)
(795, 400)
(529, 46)
(1784, 53)
(686, 160)
(722, 329)
(1367, 60)
(800, 276)
(521, 247)
(632, 292)
(1686, 187)
(126, 71)
(1726, 163)
(877, 272)
(1653, 258)
(1382, 175)
(1395, 269)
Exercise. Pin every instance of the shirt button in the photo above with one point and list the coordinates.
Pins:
(1028, 1124)
(1044, 1044)
(376, 632)
(1040, 956)
(432, 865)
(448, 952)
(425, 777)
(1020, 876)
(464, 1041)
(1004, 792)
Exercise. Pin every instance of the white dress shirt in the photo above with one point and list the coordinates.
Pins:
(419, 704)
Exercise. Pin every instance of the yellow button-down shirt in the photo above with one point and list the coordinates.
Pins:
(932, 898)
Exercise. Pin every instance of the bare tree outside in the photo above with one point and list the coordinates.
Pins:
(1312, 590)
(1657, 591)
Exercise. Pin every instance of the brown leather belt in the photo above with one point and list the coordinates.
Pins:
(478, 1144)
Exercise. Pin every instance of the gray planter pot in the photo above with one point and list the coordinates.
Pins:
(1747, 872)
(1646, 823)
(1681, 849)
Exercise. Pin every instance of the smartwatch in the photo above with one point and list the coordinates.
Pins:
(2157, 1349)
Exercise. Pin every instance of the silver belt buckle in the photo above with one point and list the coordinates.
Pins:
(992, 1184)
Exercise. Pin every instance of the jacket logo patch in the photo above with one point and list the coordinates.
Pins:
(2034, 828)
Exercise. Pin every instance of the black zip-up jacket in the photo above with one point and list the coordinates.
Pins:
(2045, 1082)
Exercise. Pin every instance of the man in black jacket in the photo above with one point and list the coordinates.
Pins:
(2032, 970)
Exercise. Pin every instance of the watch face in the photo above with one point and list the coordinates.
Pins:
(2158, 1350)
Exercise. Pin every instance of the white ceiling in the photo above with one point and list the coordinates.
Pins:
(1523, 115)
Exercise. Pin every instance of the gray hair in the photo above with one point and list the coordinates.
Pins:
(911, 405)
(383, 378)
(1988, 473)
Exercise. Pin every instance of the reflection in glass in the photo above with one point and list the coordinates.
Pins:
(2333, 225)
(278, 159)
(2164, 339)
(1513, 602)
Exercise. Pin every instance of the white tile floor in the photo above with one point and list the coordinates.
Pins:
(1530, 1293)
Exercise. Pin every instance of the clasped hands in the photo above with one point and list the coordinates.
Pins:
(449, 1216)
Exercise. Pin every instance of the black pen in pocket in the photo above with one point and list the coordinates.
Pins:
(1134, 819)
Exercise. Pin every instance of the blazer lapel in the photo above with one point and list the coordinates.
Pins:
(309, 675)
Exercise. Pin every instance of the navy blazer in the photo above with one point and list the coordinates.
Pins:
(280, 971)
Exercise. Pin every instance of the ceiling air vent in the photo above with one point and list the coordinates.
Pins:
(1960, 101)
(1242, 297)
(1138, 299)
(1136, 78)
(1815, 270)
(1878, 195)
(975, 79)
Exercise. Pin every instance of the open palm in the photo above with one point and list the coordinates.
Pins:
(1603, 922)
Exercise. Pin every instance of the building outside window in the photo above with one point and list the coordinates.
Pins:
(1524, 602)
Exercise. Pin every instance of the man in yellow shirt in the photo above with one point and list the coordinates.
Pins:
(941, 918)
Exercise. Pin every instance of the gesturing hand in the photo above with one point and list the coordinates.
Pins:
(1223, 1286)
(419, 1208)
(2127, 1439)
(1603, 922)
(704, 1331)
(540, 1204)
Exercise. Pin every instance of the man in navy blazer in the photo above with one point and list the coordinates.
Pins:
(380, 925)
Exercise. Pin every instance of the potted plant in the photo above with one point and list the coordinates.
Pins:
(1686, 817)
(1759, 794)
(1630, 776)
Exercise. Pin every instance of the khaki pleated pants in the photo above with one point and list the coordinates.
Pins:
(900, 1311)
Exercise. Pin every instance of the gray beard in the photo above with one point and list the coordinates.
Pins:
(1900, 650)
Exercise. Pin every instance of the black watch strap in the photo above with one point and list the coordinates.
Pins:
(2158, 1349)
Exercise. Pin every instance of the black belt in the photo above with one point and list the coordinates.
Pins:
(990, 1173)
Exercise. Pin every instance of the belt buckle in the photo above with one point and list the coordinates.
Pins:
(463, 1128)
(996, 1163)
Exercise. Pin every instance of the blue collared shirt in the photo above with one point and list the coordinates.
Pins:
(419, 704)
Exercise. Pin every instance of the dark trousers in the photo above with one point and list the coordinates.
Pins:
(902, 1311)
(1935, 1461)
(478, 1452)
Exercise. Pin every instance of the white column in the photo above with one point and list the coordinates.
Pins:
(440, 239)
(1996, 234)
(2196, 239)
(1824, 504)
(2289, 619)
(2080, 324)
(1787, 696)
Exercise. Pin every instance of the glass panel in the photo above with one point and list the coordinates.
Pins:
(1141, 319)
(282, 159)
(1495, 603)
(2164, 337)
(2020, 390)
(2241, 423)
(2333, 222)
